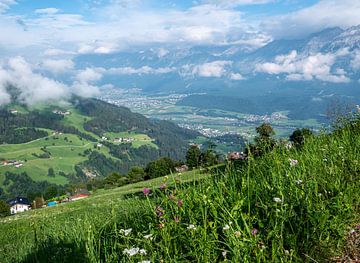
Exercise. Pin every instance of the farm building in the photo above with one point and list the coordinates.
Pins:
(80, 194)
(18, 205)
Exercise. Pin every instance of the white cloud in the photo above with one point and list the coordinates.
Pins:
(236, 76)
(89, 75)
(145, 70)
(58, 66)
(47, 11)
(231, 3)
(297, 67)
(32, 87)
(322, 15)
(355, 63)
(215, 69)
(5, 4)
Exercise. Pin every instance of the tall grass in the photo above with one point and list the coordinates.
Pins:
(291, 205)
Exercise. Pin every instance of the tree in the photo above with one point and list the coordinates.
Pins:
(299, 136)
(51, 192)
(160, 167)
(209, 158)
(136, 174)
(264, 141)
(193, 157)
(4, 209)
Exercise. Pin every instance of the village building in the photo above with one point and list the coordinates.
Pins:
(80, 194)
(18, 205)
(181, 169)
(236, 156)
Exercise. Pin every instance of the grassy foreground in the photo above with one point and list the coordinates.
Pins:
(288, 206)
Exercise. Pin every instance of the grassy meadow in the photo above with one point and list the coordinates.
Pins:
(291, 205)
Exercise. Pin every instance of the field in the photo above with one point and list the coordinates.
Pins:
(298, 204)
(66, 150)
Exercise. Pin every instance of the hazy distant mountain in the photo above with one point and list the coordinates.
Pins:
(315, 69)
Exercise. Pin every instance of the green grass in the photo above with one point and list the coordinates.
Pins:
(139, 139)
(264, 211)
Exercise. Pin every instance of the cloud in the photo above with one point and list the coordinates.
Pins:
(32, 87)
(322, 15)
(89, 75)
(58, 66)
(47, 11)
(5, 4)
(232, 3)
(297, 67)
(145, 70)
(236, 76)
(214, 69)
(355, 63)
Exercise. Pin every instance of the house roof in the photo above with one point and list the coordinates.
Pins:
(18, 200)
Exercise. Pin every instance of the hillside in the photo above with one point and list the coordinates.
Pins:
(86, 138)
(290, 205)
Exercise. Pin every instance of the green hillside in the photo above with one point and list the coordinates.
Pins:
(298, 204)
(61, 144)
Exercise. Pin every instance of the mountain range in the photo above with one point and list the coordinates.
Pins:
(302, 76)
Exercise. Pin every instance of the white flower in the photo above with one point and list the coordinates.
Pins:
(298, 182)
(293, 162)
(125, 232)
(288, 146)
(132, 251)
(150, 236)
(142, 252)
(237, 233)
(191, 227)
(145, 261)
(224, 254)
(277, 200)
(226, 227)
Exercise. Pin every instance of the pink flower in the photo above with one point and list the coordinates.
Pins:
(162, 186)
(180, 202)
(254, 231)
(146, 191)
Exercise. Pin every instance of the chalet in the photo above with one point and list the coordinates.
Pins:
(236, 156)
(80, 194)
(13, 111)
(181, 169)
(18, 205)
(59, 112)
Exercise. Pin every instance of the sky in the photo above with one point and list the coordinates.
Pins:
(38, 35)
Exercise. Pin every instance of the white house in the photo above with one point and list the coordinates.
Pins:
(18, 205)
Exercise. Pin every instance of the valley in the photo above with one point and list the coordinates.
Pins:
(210, 122)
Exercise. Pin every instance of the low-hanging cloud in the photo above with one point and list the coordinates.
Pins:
(18, 77)
(296, 67)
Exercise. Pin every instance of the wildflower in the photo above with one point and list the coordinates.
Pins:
(293, 162)
(261, 245)
(171, 197)
(287, 252)
(159, 211)
(162, 186)
(132, 251)
(142, 252)
(180, 203)
(254, 231)
(288, 146)
(237, 233)
(298, 182)
(277, 200)
(358, 227)
(352, 231)
(325, 160)
(145, 261)
(191, 227)
(125, 232)
(146, 191)
(224, 253)
(150, 236)
(226, 227)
